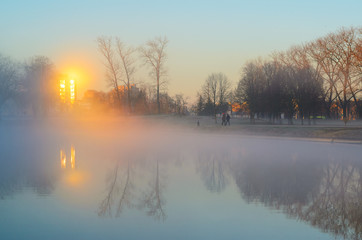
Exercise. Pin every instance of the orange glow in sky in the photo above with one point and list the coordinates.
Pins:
(82, 70)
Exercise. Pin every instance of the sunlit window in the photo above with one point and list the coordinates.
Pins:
(67, 91)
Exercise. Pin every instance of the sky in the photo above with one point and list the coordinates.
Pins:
(205, 37)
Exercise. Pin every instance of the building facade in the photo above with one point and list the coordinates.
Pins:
(67, 91)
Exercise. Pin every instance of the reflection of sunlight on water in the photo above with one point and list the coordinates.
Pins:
(63, 158)
(74, 177)
(72, 157)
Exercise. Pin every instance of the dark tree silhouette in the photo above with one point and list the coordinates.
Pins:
(9, 79)
(154, 56)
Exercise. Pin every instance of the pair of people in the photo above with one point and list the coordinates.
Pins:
(225, 119)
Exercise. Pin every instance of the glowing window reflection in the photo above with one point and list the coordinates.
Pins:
(63, 158)
(72, 157)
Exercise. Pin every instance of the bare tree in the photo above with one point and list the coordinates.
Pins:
(341, 52)
(180, 104)
(224, 92)
(210, 90)
(40, 84)
(251, 86)
(327, 70)
(217, 91)
(307, 81)
(113, 67)
(154, 56)
(126, 53)
(8, 79)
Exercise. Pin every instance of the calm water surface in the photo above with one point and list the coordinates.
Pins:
(158, 183)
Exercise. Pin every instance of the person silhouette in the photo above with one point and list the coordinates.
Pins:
(223, 119)
(227, 119)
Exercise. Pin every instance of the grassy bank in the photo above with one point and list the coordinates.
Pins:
(325, 129)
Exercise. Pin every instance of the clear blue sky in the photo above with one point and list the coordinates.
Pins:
(205, 36)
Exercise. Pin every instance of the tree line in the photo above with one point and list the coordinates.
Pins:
(33, 85)
(214, 96)
(319, 78)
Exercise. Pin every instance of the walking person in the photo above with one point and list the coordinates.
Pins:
(223, 119)
(227, 120)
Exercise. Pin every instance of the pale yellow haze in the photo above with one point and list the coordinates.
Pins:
(83, 69)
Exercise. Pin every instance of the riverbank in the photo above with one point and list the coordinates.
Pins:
(327, 130)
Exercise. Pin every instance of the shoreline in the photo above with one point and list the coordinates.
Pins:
(323, 130)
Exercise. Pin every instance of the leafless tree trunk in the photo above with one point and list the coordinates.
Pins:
(217, 90)
(327, 70)
(154, 56)
(338, 55)
(224, 89)
(180, 104)
(8, 79)
(251, 85)
(125, 54)
(113, 68)
(212, 85)
(40, 83)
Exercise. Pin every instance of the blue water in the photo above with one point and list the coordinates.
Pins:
(175, 185)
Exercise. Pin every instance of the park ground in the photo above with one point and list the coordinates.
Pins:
(323, 130)
(319, 130)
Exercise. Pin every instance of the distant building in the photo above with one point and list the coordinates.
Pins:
(93, 100)
(134, 90)
(123, 92)
(67, 91)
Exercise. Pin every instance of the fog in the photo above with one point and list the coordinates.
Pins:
(151, 167)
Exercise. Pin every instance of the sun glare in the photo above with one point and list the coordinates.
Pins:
(78, 66)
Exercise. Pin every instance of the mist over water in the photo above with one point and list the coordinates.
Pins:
(138, 177)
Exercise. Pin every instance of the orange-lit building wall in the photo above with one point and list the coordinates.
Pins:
(67, 91)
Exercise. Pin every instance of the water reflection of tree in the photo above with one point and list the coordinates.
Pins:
(153, 199)
(338, 207)
(16, 175)
(326, 195)
(278, 182)
(119, 186)
(121, 191)
(9, 186)
(43, 183)
(211, 166)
